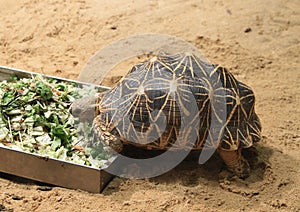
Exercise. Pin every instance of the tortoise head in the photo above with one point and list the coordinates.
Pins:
(85, 109)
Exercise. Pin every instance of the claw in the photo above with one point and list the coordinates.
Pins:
(235, 162)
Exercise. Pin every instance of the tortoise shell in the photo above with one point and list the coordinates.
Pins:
(147, 106)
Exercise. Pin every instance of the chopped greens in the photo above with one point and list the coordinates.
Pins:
(35, 117)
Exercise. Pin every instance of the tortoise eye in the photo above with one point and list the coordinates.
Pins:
(76, 111)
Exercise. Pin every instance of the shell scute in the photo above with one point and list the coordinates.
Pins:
(149, 106)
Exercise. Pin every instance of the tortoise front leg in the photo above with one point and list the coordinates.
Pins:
(235, 162)
(106, 137)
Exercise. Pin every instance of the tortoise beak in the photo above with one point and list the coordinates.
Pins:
(84, 109)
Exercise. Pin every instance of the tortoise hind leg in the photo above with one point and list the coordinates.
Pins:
(235, 162)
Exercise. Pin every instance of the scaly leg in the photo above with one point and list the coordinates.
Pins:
(235, 162)
(106, 137)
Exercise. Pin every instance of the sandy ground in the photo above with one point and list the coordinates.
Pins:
(257, 40)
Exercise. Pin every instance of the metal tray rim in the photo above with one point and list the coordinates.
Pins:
(50, 76)
(97, 178)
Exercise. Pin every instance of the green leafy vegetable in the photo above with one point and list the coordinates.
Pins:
(35, 117)
(44, 90)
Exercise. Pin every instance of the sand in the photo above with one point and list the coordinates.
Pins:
(256, 40)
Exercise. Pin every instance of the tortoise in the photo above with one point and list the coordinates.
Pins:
(160, 90)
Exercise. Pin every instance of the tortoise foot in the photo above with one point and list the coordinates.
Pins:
(235, 162)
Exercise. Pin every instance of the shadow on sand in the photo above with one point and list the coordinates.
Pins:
(191, 174)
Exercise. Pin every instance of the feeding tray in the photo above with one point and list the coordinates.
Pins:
(48, 170)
